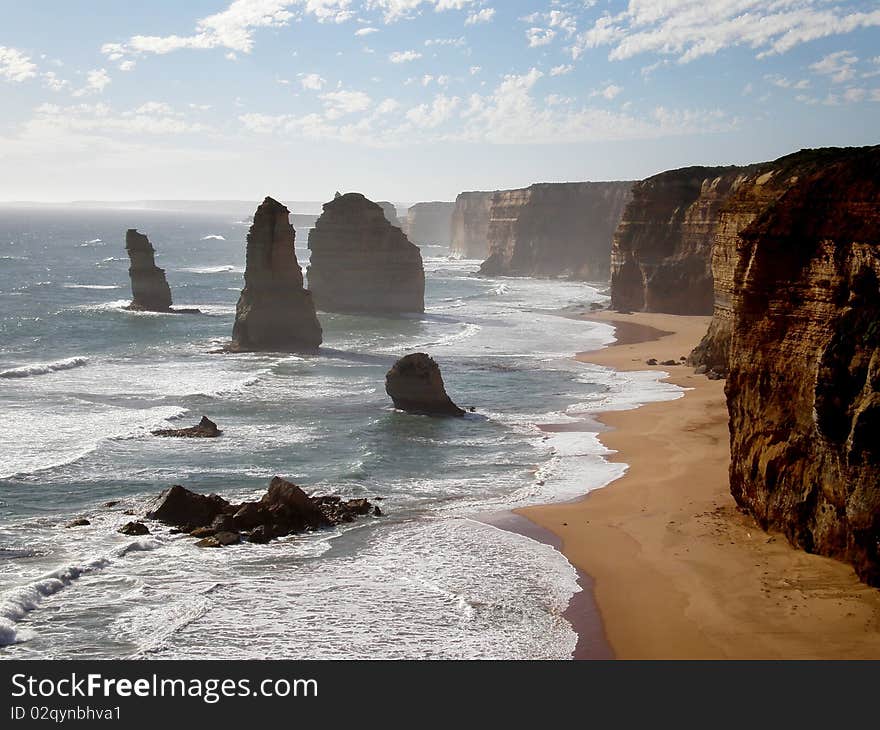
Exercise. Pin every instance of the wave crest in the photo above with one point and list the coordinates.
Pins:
(26, 371)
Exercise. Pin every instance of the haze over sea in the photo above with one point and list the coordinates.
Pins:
(83, 382)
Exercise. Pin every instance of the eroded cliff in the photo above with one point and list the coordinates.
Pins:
(470, 225)
(149, 288)
(429, 224)
(555, 229)
(361, 263)
(661, 256)
(803, 318)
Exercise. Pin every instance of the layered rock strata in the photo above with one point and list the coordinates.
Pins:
(661, 255)
(416, 386)
(429, 224)
(803, 319)
(760, 189)
(470, 225)
(149, 287)
(274, 312)
(555, 229)
(360, 263)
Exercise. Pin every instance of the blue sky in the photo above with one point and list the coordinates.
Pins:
(417, 99)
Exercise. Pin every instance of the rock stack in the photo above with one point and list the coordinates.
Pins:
(149, 288)
(390, 211)
(274, 312)
(361, 263)
(416, 386)
(430, 224)
(470, 225)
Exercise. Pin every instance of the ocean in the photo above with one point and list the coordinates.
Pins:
(83, 382)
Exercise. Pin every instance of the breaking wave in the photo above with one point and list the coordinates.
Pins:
(26, 371)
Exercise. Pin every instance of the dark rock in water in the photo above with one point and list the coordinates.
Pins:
(134, 529)
(274, 312)
(79, 522)
(149, 288)
(652, 361)
(361, 263)
(206, 429)
(111, 503)
(182, 508)
(285, 509)
(669, 363)
(416, 386)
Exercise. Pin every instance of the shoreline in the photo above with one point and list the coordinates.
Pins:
(677, 571)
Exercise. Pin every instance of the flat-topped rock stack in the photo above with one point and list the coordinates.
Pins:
(361, 263)
(275, 312)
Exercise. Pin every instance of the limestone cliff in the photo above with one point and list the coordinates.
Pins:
(274, 312)
(762, 186)
(149, 288)
(390, 211)
(429, 224)
(555, 229)
(470, 225)
(361, 263)
(661, 256)
(803, 387)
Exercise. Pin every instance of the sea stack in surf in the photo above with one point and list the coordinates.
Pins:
(274, 313)
(361, 263)
(416, 386)
(149, 287)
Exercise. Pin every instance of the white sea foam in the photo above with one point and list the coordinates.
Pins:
(224, 269)
(92, 286)
(213, 237)
(44, 368)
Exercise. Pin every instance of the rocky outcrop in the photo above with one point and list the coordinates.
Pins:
(205, 429)
(361, 263)
(283, 510)
(274, 312)
(803, 386)
(390, 211)
(661, 256)
(149, 287)
(416, 386)
(555, 229)
(429, 224)
(760, 189)
(470, 225)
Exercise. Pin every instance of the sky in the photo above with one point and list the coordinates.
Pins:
(412, 100)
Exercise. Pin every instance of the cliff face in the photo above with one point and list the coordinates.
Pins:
(274, 312)
(149, 288)
(429, 223)
(803, 387)
(361, 263)
(555, 229)
(661, 256)
(390, 212)
(761, 187)
(470, 225)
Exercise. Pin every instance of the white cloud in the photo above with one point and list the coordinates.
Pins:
(431, 116)
(689, 29)
(16, 66)
(480, 16)
(96, 81)
(312, 82)
(404, 56)
(394, 10)
(561, 70)
(341, 103)
(54, 82)
(366, 31)
(838, 66)
(445, 41)
(609, 92)
(540, 36)
(784, 83)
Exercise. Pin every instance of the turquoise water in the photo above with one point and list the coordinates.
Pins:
(82, 383)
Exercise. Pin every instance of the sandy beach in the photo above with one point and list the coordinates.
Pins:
(678, 572)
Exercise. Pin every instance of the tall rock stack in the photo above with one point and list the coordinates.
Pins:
(429, 224)
(470, 225)
(274, 312)
(661, 256)
(555, 229)
(149, 288)
(360, 263)
(803, 388)
(390, 211)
